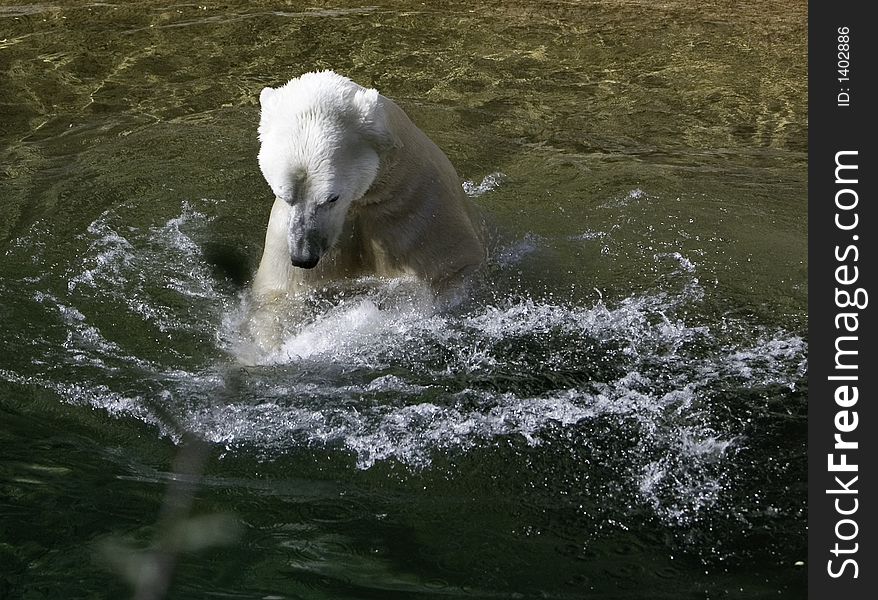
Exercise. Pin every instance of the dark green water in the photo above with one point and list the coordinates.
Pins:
(618, 411)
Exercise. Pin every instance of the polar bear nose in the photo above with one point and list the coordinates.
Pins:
(305, 264)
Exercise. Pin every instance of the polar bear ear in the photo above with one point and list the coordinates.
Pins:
(373, 120)
(265, 96)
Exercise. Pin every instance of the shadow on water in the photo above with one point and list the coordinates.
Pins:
(228, 262)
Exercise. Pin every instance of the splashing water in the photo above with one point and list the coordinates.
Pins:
(488, 184)
(380, 373)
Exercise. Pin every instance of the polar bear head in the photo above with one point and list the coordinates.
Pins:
(321, 140)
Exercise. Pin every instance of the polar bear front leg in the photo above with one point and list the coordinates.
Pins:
(275, 275)
(268, 303)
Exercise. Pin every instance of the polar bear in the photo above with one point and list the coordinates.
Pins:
(359, 190)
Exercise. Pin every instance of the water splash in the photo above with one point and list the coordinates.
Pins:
(378, 372)
(137, 267)
(488, 184)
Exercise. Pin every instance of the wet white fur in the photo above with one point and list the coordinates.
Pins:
(357, 183)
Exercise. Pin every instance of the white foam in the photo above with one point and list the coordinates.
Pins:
(380, 372)
(590, 235)
(633, 196)
(130, 268)
(85, 342)
(488, 184)
(409, 434)
(685, 263)
(345, 330)
(107, 254)
(689, 477)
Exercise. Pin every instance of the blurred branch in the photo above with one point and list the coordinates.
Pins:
(157, 568)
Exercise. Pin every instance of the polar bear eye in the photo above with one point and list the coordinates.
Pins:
(332, 198)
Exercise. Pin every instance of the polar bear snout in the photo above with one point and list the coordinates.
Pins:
(306, 248)
(307, 242)
(305, 264)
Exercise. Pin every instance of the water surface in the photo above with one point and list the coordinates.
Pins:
(617, 409)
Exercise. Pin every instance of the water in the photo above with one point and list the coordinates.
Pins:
(615, 409)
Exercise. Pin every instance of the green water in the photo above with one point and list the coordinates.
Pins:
(618, 411)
